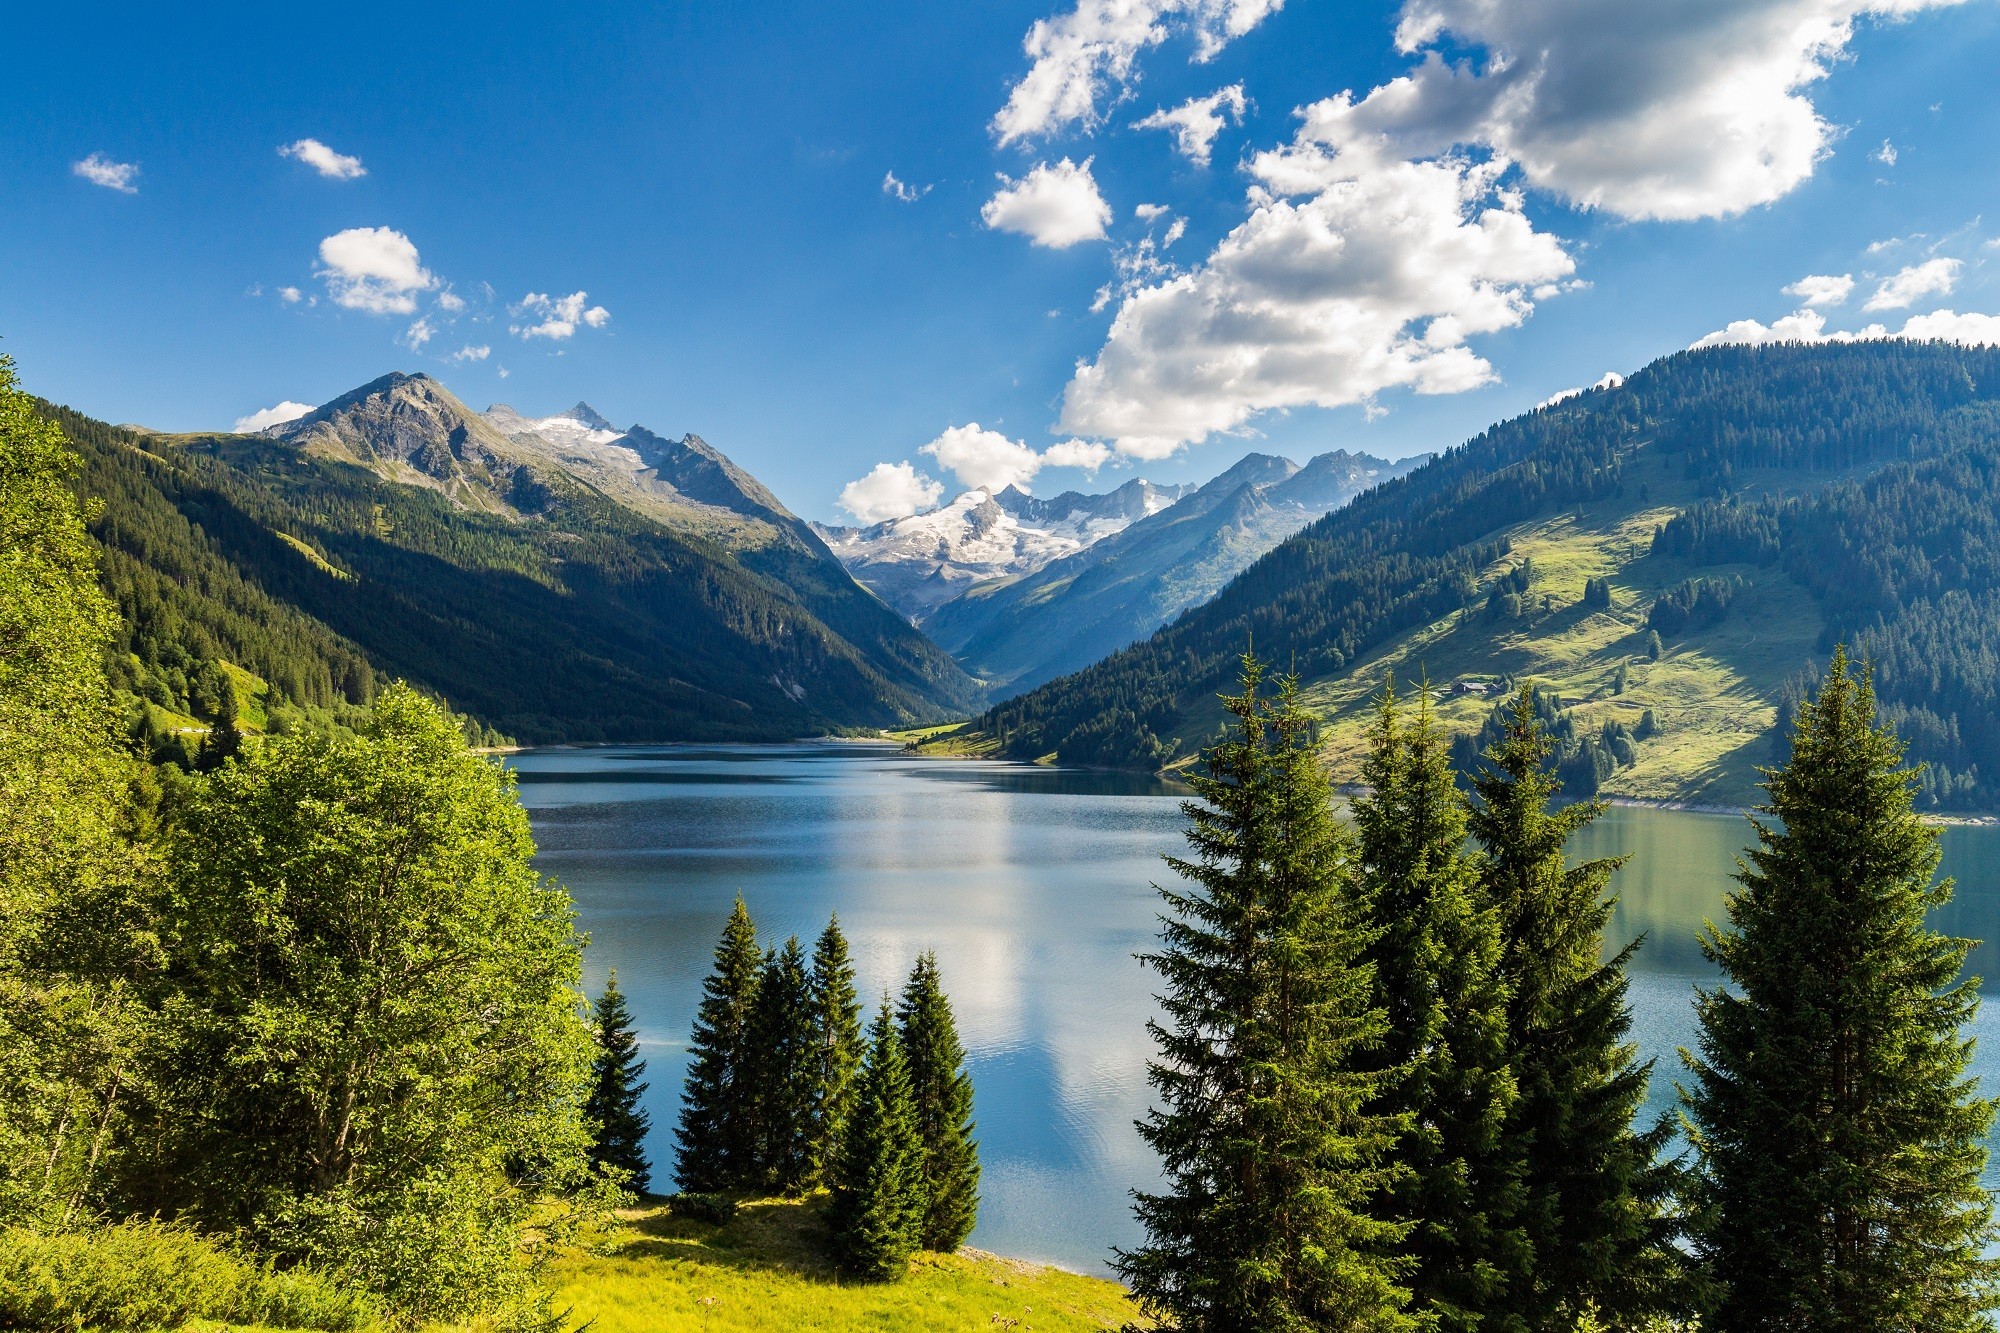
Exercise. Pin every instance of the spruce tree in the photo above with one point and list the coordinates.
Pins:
(877, 1211)
(837, 1038)
(618, 1124)
(1272, 1160)
(716, 1134)
(1839, 1140)
(941, 1093)
(1437, 959)
(1590, 1187)
(784, 1065)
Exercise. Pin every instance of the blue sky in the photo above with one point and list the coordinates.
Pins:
(1513, 199)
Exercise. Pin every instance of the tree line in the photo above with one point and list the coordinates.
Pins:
(1396, 1086)
(785, 1095)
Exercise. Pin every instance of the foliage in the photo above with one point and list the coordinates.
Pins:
(143, 1276)
(618, 1124)
(1271, 1155)
(1841, 1146)
(1436, 959)
(1591, 1191)
(1583, 760)
(941, 1102)
(878, 1184)
(837, 1026)
(784, 1066)
(717, 1133)
(1692, 604)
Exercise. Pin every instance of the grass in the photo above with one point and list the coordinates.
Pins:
(767, 1270)
(958, 740)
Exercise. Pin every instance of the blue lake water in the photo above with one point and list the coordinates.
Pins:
(1034, 887)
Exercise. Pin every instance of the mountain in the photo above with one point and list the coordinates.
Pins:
(1030, 628)
(395, 533)
(1750, 507)
(919, 563)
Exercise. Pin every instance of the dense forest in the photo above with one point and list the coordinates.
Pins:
(1881, 454)
(582, 620)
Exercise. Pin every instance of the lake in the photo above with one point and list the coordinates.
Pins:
(1034, 887)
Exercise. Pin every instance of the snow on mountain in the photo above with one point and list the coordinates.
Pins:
(580, 425)
(916, 564)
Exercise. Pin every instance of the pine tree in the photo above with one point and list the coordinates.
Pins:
(877, 1211)
(716, 1134)
(1590, 1186)
(1271, 1160)
(619, 1125)
(837, 1036)
(941, 1093)
(1437, 959)
(784, 1065)
(1840, 1146)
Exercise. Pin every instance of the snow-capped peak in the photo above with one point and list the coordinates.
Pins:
(580, 425)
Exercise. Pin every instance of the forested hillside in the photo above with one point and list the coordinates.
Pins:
(1848, 484)
(300, 575)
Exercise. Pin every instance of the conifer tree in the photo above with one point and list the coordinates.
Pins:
(1437, 979)
(784, 1065)
(1591, 1189)
(837, 1037)
(717, 1130)
(941, 1093)
(612, 1108)
(1840, 1145)
(1271, 1158)
(877, 1211)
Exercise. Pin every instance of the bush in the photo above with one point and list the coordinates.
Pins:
(714, 1208)
(147, 1276)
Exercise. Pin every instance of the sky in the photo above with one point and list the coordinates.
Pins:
(880, 254)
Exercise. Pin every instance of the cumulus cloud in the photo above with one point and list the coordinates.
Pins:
(1886, 154)
(1971, 328)
(264, 418)
(1196, 122)
(1086, 454)
(418, 334)
(984, 459)
(1056, 206)
(1646, 111)
(450, 301)
(1373, 282)
(332, 165)
(1933, 277)
(101, 170)
(559, 315)
(1079, 57)
(471, 353)
(1150, 212)
(1809, 326)
(1817, 289)
(890, 490)
(375, 269)
(290, 295)
(902, 191)
(1610, 379)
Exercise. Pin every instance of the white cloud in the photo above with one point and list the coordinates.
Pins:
(267, 417)
(471, 353)
(1374, 282)
(1197, 121)
(1886, 154)
(902, 191)
(560, 315)
(1808, 326)
(450, 301)
(101, 170)
(332, 165)
(1817, 289)
(1933, 277)
(984, 459)
(290, 295)
(1078, 55)
(1150, 212)
(375, 269)
(1056, 206)
(1086, 454)
(1610, 379)
(1802, 326)
(1970, 328)
(890, 490)
(1645, 110)
(418, 334)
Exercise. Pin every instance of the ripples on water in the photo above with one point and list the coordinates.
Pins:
(1034, 887)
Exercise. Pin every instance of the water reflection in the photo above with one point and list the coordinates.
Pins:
(1034, 887)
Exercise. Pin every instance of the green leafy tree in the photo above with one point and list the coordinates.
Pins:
(73, 924)
(837, 1038)
(1840, 1143)
(941, 1092)
(1436, 956)
(380, 1056)
(613, 1110)
(718, 1145)
(1272, 1158)
(784, 1069)
(1591, 1188)
(878, 1199)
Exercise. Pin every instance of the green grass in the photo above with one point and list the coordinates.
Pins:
(767, 1270)
(958, 740)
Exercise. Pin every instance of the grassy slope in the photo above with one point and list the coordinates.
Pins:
(765, 1271)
